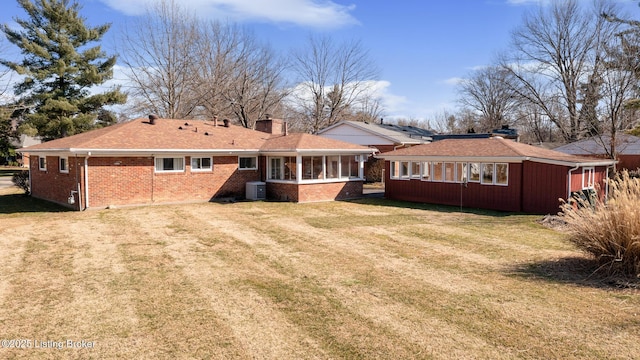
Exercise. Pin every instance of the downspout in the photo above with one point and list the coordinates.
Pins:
(569, 176)
(86, 180)
(78, 188)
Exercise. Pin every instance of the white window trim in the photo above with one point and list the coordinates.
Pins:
(209, 169)
(495, 177)
(444, 172)
(493, 174)
(155, 164)
(43, 168)
(247, 157)
(590, 171)
(66, 161)
(270, 167)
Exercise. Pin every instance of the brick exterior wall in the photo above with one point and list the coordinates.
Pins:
(133, 181)
(53, 185)
(124, 181)
(314, 192)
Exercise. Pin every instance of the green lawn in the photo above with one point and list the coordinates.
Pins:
(368, 279)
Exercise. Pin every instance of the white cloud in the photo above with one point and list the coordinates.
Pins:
(309, 13)
(453, 81)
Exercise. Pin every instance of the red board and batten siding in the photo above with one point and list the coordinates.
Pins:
(473, 195)
(533, 188)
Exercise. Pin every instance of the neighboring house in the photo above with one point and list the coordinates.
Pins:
(166, 160)
(627, 149)
(383, 137)
(492, 173)
(21, 142)
(505, 132)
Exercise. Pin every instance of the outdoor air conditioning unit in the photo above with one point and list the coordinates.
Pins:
(256, 190)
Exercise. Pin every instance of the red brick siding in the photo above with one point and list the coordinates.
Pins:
(314, 192)
(122, 181)
(53, 185)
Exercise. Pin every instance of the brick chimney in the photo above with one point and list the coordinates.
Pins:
(272, 126)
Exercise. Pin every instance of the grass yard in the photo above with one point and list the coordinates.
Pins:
(368, 279)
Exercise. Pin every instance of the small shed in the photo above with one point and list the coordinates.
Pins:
(492, 173)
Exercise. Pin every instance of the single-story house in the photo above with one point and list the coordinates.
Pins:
(491, 173)
(167, 160)
(627, 149)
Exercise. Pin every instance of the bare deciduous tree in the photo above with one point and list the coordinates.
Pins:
(184, 67)
(558, 50)
(159, 51)
(332, 80)
(489, 92)
(242, 78)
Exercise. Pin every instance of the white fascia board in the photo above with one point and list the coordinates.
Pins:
(486, 159)
(333, 151)
(572, 163)
(145, 152)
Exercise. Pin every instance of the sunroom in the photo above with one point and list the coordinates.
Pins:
(314, 168)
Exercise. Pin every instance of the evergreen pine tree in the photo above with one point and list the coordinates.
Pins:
(60, 67)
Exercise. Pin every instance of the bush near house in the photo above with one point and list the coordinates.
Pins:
(610, 232)
(21, 180)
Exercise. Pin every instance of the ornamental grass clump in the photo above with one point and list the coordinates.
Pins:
(609, 231)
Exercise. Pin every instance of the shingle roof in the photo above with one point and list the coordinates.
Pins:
(171, 135)
(396, 133)
(307, 142)
(489, 148)
(625, 145)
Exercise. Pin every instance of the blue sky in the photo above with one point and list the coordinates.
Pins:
(421, 47)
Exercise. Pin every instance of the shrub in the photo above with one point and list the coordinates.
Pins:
(21, 180)
(609, 231)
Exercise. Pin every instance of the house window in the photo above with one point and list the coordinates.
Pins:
(275, 169)
(437, 174)
(201, 164)
(588, 177)
(290, 168)
(474, 172)
(404, 169)
(394, 170)
(426, 171)
(169, 164)
(449, 172)
(461, 172)
(333, 167)
(487, 173)
(415, 170)
(248, 163)
(349, 166)
(502, 174)
(42, 163)
(312, 167)
(64, 165)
